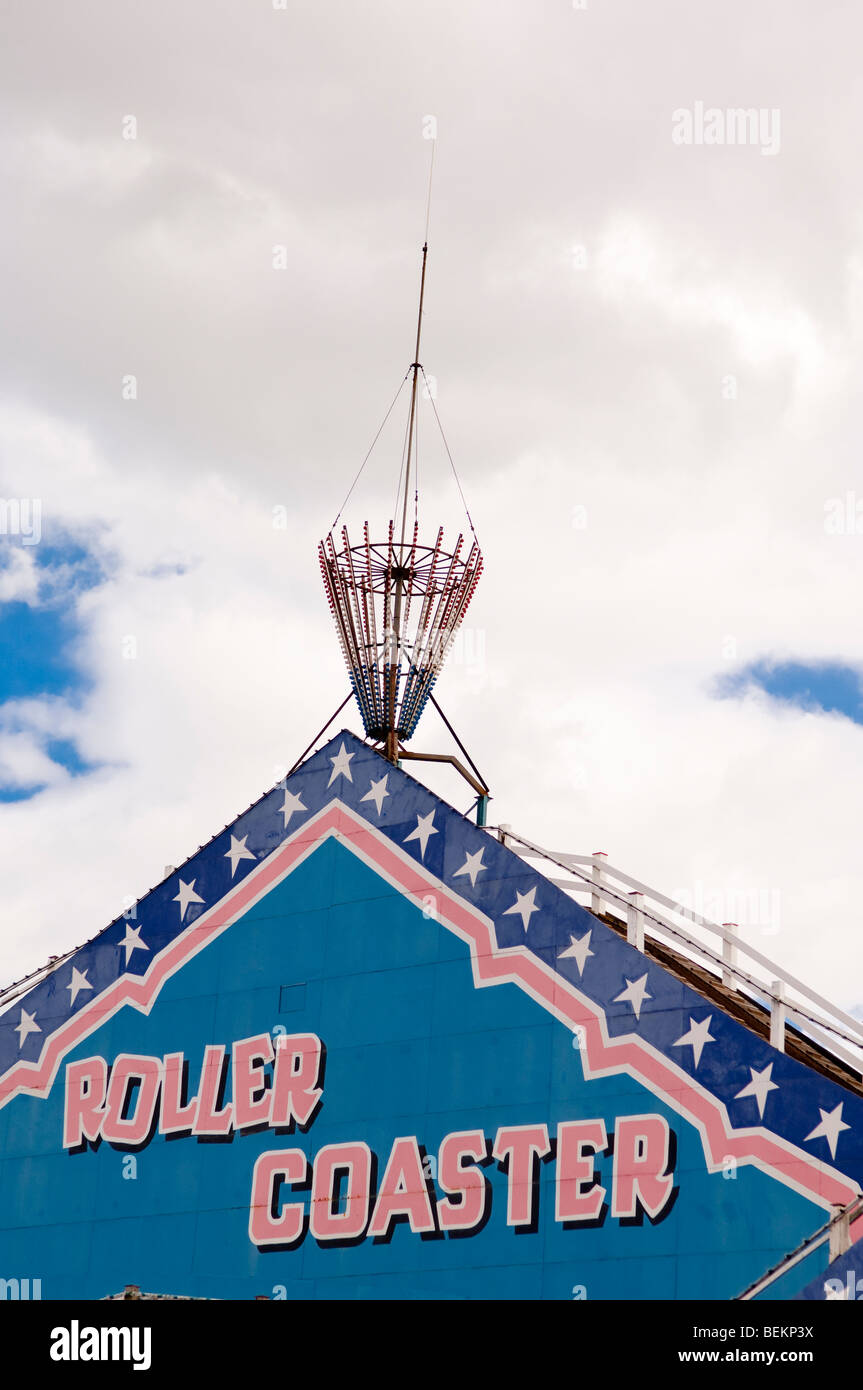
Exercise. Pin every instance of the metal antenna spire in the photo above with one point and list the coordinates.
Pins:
(415, 368)
(397, 604)
(415, 365)
(403, 572)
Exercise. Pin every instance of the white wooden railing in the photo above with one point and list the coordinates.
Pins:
(716, 947)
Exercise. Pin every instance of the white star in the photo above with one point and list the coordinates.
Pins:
(341, 765)
(377, 793)
(186, 896)
(579, 952)
(524, 906)
(634, 994)
(26, 1026)
(472, 866)
(292, 804)
(237, 852)
(759, 1087)
(425, 827)
(696, 1037)
(830, 1127)
(132, 941)
(79, 982)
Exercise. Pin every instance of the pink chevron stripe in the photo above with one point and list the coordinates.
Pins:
(491, 965)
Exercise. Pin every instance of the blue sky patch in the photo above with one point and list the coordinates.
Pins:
(39, 641)
(826, 687)
(38, 648)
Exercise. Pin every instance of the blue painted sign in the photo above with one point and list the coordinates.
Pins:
(357, 1048)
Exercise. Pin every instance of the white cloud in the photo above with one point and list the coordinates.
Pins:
(584, 684)
(19, 580)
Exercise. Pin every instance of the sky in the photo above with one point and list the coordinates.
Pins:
(644, 325)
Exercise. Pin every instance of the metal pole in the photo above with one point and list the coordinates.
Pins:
(320, 735)
(458, 741)
(392, 733)
(416, 367)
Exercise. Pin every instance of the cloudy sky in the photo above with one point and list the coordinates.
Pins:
(645, 324)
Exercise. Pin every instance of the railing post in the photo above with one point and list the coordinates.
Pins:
(777, 1016)
(502, 832)
(635, 922)
(840, 1234)
(596, 875)
(729, 955)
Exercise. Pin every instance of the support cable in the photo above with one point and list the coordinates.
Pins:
(371, 446)
(450, 457)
